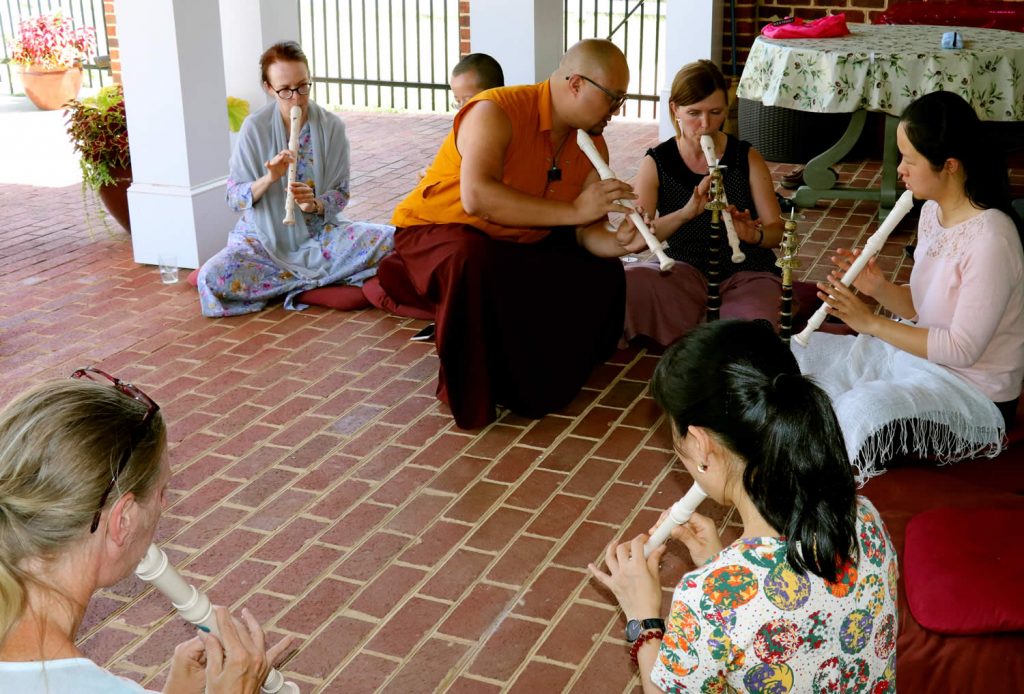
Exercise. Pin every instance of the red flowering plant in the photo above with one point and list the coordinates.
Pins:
(52, 42)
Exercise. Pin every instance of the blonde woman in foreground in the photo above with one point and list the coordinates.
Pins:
(83, 473)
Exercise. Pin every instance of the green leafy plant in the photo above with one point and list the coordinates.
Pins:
(238, 109)
(99, 133)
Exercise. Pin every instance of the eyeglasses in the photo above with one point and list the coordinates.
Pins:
(616, 99)
(287, 93)
(151, 409)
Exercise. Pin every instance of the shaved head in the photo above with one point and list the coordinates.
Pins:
(590, 84)
(593, 56)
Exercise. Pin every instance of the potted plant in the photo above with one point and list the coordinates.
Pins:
(49, 51)
(99, 133)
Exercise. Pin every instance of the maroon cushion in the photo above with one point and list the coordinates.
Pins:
(926, 660)
(343, 297)
(376, 295)
(339, 296)
(960, 566)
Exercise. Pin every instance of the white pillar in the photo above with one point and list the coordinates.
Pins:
(524, 36)
(175, 103)
(693, 30)
(249, 27)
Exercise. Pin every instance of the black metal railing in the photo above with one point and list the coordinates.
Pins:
(389, 54)
(397, 54)
(636, 27)
(83, 13)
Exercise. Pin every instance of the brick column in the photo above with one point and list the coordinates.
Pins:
(113, 47)
(465, 45)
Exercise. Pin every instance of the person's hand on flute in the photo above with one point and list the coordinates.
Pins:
(239, 661)
(276, 168)
(305, 198)
(633, 579)
(870, 281)
(239, 664)
(844, 304)
(629, 237)
(600, 198)
(669, 224)
(699, 535)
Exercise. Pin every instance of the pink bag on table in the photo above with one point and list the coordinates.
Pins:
(795, 28)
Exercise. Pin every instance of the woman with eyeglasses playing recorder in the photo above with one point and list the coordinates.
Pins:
(265, 256)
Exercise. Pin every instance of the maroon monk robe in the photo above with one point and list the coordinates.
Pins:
(518, 324)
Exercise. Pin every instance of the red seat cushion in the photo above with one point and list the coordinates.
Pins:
(961, 566)
(343, 297)
(339, 296)
(376, 295)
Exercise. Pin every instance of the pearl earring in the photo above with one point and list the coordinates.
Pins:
(702, 468)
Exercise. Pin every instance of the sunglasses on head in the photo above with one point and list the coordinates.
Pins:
(125, 388)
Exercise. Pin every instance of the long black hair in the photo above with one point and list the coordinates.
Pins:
(941, 126)
(740, 382)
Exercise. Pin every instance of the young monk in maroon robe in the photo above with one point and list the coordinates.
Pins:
(505, 239)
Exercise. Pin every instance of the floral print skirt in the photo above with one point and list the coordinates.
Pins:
(243, 277)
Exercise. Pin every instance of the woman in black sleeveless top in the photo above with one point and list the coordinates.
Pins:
(673, 180)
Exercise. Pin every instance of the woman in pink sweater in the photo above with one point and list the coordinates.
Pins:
(964, 307)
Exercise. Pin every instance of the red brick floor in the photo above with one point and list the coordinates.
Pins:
(318, 481)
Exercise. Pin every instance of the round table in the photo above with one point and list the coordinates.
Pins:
(882, 68)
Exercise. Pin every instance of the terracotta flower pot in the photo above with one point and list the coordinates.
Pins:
(51, 89)
(115, 197)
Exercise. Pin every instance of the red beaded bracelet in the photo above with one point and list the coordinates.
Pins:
(634, 650)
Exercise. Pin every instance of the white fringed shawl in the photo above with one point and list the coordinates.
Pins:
(890, 402)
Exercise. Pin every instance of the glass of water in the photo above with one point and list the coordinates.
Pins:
(168, 263)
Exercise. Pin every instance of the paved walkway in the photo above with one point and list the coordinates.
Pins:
(318, 481)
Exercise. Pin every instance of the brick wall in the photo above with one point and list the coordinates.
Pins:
(112, 43)
(464, 48)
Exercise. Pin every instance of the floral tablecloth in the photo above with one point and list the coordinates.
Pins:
(885, 68)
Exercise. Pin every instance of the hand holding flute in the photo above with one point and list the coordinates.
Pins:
(195, 607)
(677, 515)
(871, 248)
(707, 145)
(657, 247)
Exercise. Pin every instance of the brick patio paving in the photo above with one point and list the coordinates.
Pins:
(319, 482)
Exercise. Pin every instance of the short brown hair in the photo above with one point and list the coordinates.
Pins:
(696, 82)
(281, 52)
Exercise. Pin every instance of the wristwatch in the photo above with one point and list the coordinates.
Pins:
(635, 627)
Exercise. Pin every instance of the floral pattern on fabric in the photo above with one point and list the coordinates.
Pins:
(747, 621)
(885, 68)
(243, 277)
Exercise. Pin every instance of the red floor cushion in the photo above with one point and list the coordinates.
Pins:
(960, 567)
(376, 295)
(928, 661)
(343, 297)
